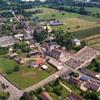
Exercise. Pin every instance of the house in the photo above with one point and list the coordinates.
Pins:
(58, 54)
(44, 67)
(92, 86)
(73, 96)
(40, 62)
(18, 60)
(7, 41)
(45, 96)
(19, 36)
(90, 73)
(47, 28)
(55, 23)
(75, 81)
(58, 65)
(76, 42)
(33, 64)
(13, 55)
(32, 53)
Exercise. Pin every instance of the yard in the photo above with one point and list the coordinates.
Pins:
(25, 76)
(29, 76)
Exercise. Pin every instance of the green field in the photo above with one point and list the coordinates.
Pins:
(29, 76)
(93, 41)
(70, 20)
(6, 64)
(25, 76)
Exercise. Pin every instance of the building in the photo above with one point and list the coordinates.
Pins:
(58, 65)
(73, 96)
(44, 67)
(92, 86)
(33, 53)
(76, 42)
(58, 54)
(55, 23)
(7, 41)
(84, 78)
(75, 81)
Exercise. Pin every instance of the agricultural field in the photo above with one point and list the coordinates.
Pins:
(28, 75)
(93, 41)
(70, 20)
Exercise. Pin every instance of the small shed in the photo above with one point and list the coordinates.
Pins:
(44, 67)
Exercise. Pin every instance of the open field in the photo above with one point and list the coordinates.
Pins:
(93, 41)
(29, 76)
(70, 20)
(25, 76)
(6, 64)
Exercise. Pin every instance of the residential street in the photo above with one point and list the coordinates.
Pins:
(15, 93)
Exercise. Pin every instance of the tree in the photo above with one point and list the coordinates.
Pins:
(3, 51)
(98, 67)
(26, 96)
(90, 96)
(40, 36)
(16, 69)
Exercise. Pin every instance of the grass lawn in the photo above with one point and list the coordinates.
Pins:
(6, 64)
(28, 76)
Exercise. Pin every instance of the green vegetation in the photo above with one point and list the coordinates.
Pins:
(94, 66)
(29, 76)
(93, 41)
(6, 64)
(3, 51)
(55, 90)
(15, 72)
(72, 87)
(70, 20)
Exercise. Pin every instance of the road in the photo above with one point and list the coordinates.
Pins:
(47, 80)
(15, 93)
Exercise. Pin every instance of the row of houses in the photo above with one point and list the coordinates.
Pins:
(84, 83)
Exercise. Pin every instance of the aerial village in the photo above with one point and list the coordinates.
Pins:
(45, 68)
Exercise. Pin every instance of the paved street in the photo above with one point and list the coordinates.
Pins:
(15, 93)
